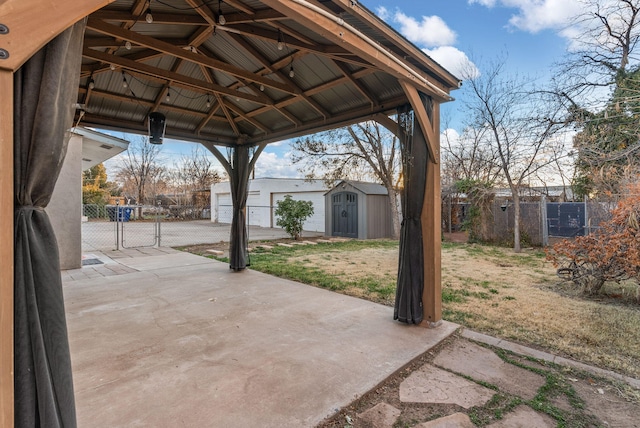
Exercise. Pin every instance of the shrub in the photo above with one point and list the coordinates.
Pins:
(610, 254)
(479, 195)
(292, 214)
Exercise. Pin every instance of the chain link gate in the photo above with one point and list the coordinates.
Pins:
(140, 233)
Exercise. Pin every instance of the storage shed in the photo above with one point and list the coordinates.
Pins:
(358, 210)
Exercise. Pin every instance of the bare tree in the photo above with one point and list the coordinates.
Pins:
(193, 173)
(518, 124)
(600, 77)
(363, 151)
(467, 157)
(469, 166)
(604, 42)
(140, 169)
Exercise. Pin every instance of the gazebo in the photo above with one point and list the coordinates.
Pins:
(232, 75)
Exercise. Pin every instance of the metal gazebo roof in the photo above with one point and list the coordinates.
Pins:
(246, 71)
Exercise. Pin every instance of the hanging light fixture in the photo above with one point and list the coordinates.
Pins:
(261, 88)
(280, 40)
(92, 83)
(168, 98)
(221, 19)
(127, 45)
(147, 15)
(291, 72)
(208, 101)
(157, 126)
(124, 80)
(112, 67)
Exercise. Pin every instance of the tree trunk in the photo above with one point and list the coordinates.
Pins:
(516, 221)
(139, 201)
(395, 212)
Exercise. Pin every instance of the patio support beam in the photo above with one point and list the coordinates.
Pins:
(30, 29)
(196, 84)
(390, 124)
(430, 132)
(6, 248)
(155, 44)
(431, 234)
(428, 118)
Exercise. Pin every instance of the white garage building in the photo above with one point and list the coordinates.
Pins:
(264, 193)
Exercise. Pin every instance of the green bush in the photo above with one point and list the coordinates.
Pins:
(292, 214)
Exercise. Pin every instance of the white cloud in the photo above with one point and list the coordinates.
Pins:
(435, 38)
(537, 15)
(450, 134)
(280, 143)
(271, 165)
(548, 14)
(455, 61)
(383, 13)
(487, 3)
(432, 31)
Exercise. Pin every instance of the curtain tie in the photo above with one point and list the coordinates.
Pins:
(28, 208)
(410, 218)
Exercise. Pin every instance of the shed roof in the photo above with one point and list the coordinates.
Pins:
(274, 69)
(364, 187)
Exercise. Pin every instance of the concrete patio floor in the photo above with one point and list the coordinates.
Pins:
(165, 339)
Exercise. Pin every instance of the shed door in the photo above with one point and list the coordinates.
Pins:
(345, 214)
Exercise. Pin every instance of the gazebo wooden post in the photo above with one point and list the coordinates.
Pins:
(27, 31)
(6, 248)
(431, 233)
(431, 216)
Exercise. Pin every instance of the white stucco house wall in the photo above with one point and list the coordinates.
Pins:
(264, 194)
(86, 148)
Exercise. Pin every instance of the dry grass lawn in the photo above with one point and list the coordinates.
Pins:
(516, 297)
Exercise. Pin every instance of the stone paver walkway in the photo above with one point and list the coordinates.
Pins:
(465, 375)
(488, 367)
(433, 385)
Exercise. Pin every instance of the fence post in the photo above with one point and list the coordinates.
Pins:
(450, 209)
(158, 224)
(586, 216)
(543, 220)
(117, 225)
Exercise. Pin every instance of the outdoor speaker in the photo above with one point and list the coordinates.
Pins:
(157, 125)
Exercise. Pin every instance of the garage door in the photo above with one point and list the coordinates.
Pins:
(315, 223)
(224, 208)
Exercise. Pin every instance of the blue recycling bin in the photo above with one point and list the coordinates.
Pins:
(124, 213)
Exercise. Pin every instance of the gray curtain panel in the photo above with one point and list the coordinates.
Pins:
(239, 180)
(408, 303)
(44, 89)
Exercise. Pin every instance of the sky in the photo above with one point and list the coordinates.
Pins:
(531, 35)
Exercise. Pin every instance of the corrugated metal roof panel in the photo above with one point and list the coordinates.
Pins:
(341, 98)
(312, 71)
(382, 85)
(227, 50)
(303, 111)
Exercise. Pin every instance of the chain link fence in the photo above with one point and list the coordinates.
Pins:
(112, 227)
